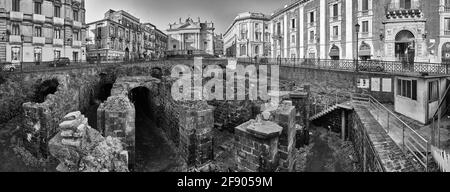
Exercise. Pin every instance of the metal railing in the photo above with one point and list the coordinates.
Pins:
(324, 101)
(412, 143)
(397, 6)
(403, 66)
(28, 67)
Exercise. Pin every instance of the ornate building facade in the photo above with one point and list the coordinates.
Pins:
(389, 30)
(248, 36)
(42, 30)
(191, 38)
(121, 36)
(218, 45)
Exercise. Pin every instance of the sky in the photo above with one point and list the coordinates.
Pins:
(163, 12)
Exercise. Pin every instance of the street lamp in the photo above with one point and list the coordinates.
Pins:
(357, 27)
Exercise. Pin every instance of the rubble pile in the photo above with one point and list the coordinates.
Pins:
(79, 148)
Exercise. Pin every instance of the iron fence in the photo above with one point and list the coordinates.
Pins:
(26, 67)
(410, 141)
(403, 66)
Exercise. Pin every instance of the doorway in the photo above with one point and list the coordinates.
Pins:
(405, 48)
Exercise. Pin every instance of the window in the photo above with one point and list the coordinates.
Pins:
(75, 15)
(335, 31)
(37, 55)
(76, 35)
(405, 4)
(335, 10)
(279, 28)
(257, 36)
(293, 23)
(365, 5)
(433, 91)
(365, 26)
(311, 17)
(16, 5)
(57, 54)
(256, 50)
(243, 31)
(15, 29)
(38, 7)
(311, 35)
(38, 31)
(57, 11)
(447, 26)
(75, 56)
(57, 33)
(293, 39)
(15, 54)
(407, 88)
(243, 50)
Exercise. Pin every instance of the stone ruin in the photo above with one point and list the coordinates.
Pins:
(269, 143)
(80, 148)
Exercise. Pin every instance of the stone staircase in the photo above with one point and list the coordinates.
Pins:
(346, 105)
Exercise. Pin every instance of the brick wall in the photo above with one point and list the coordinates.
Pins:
(255, 152)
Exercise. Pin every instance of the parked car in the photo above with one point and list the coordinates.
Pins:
(8, 66)
(60, 62)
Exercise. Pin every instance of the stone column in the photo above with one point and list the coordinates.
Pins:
(256, 146)
(116, 118)
(196, 135)
(285, 117)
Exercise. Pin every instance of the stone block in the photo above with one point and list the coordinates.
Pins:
(72, 116)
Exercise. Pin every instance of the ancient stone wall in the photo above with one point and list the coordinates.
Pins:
(329, 81)
(376, 150)
(256, 146)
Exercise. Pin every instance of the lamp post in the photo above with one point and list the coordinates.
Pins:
(357, 27)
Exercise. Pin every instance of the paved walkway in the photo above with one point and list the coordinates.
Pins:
(391, 156)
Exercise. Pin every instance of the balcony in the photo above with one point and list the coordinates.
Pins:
(335, 37)
(334, 18)
(76, 44)
(58, 21)
(447, 32)
(58, 42)
(77, 25)
(400, 10)
(38, 40)
(16, 16)
(15, 39)
(38, 18)
(447, 8)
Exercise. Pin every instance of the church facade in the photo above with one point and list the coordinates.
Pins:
(190, 37)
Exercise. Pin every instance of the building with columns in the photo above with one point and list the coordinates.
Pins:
(392, 30)
(248, 36)
(190, 37)
(39, 31)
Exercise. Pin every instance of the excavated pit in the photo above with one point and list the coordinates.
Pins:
(153, 151)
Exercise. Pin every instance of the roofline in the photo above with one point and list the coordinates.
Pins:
(292, 5)
(245, 18)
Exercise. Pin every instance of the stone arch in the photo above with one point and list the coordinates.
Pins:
(405, 45)
(444, 52)
(404, 36)
(157, 72)
(124, 85)
(335, 50)
(366, 49)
